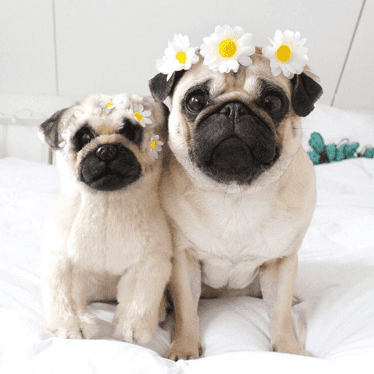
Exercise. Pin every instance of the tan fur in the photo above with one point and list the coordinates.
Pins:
(230, 236)
(106, 245)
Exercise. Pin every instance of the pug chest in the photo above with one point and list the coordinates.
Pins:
(238, 238)
(106, 235)
(218, 272)
(233, 260)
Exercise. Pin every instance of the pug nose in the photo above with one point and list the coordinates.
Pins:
(106, 152)
(234, 110)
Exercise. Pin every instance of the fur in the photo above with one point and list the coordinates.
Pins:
(106, 245)
(231, 234)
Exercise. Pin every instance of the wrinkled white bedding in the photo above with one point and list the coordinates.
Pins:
(335, 286)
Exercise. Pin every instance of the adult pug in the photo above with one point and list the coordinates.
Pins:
(106, 237)
(240, 189)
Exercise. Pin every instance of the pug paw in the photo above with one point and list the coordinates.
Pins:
(135, 328)
(73, 327)
(184, 349)
(290, 347)
(89, 325)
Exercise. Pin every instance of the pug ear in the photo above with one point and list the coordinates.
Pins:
(161, 88)
(49, 130)
(306, 91)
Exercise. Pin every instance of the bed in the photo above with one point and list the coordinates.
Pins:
(335, 318)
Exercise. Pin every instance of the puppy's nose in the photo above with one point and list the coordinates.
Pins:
(106, 152)
(234, 110)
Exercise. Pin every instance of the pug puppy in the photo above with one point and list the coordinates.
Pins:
(106, 237)
(239, 190)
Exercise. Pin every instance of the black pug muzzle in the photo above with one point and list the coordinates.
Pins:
(110, 167)
(234, 144)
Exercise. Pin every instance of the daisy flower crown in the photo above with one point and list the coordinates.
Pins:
(228, 48)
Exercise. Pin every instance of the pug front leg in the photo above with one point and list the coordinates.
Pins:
(88, 322)
(140, 292)
(59, 312)
(277, 280)
(185, 288)
(65, 300)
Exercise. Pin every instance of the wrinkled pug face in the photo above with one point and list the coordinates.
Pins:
(235, 128)
(107, 142)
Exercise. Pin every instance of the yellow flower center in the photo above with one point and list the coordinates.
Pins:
(153, 144)
(138, 116)
(284, 53)
(227, 48)
(108, 105)
(181, 57)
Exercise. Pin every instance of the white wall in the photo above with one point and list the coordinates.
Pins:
(60, 50)
(357, 86)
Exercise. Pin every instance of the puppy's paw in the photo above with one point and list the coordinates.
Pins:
(89, 325)
(85, 326)
(184, 349)
(67, 328)
(135, 328)
(290, 347)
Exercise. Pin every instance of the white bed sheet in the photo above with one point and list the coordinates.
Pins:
(335, 285)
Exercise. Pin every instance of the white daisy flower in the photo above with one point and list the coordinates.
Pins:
(66, 143)
(141, 115)
(287, 54)
(156, 146)
(120, 101)
(178, 56)
(108, 105)
(226, 48)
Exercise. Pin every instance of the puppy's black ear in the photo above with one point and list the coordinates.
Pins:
(306, 91)
(49, 129)
(161, 88)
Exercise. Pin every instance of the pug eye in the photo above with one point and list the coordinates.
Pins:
(86, 138)
(132, 132)
(272, 104)
(196, 102)
(83, 137)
